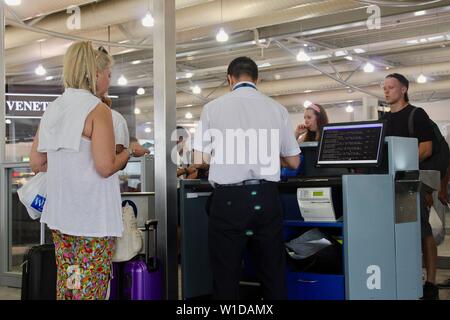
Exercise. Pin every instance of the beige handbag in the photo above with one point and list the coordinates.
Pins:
(131, 242)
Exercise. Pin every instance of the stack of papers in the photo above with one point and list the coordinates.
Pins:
(307, 244)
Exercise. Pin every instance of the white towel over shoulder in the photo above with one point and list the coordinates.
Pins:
(63, 121)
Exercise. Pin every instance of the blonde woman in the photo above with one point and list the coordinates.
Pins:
(75, 145)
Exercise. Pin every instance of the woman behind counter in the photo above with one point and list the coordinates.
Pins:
(315, 118)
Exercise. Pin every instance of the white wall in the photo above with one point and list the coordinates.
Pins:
(438, 111)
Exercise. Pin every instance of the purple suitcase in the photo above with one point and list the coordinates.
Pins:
(115, 285)
(142, 277)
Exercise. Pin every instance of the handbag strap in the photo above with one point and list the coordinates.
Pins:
(132, 204)
(411, 123)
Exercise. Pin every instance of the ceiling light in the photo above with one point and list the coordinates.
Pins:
(307, 91)
(369, 67)
(188, 115)
(412, 41)
(8, 121)
(260, 41)
(349, 109)
(222, 36)
(189, 75)
(122, 81)
(265, 65)
(140, 91)
(148, 130)
(349, 58)
(124, 41)
(49, 78)
(137, 111)
(420, 13)
(136, 61)
(192, 130)
(423, 40)
(189, 105)
(436, 38)
(305, 45)
(40, 70)
(340, 53)
(13, 2)
(359, 50)
(302, 56)
(196, 89)
(421, 78)
(307, 104)
(387, 68)
(148, 20)
(319, 57)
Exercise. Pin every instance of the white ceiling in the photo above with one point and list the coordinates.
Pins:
(325, 26)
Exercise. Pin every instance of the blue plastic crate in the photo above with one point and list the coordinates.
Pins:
(313, 286)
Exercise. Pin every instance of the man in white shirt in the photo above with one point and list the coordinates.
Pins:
(245, 136)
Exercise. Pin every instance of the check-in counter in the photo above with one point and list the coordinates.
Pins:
(377, 225)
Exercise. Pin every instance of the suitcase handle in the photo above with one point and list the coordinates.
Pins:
(151, 261)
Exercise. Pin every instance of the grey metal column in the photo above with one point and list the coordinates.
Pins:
(165, 122)
(2, 83)
(3, 208)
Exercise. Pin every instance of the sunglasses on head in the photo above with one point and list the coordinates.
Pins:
(102, 49)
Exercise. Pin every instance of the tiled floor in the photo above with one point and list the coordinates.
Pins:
(9, 293)
(444, 294)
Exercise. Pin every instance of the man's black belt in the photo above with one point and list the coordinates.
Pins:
(243, 183)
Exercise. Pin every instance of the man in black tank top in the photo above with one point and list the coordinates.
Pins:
(396, 94)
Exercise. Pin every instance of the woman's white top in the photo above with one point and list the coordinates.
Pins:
(79, 202)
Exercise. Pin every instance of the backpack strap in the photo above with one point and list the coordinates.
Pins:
(411, 122)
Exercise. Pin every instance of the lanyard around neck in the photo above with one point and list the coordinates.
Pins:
(244, 84)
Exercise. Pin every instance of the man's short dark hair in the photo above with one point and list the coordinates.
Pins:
(241, 66)
(402, 79)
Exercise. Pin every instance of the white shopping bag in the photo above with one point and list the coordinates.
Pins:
(33, 195)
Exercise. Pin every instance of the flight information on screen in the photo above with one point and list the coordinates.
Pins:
(358, 143)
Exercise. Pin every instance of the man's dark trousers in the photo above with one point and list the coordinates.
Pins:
(240, 216)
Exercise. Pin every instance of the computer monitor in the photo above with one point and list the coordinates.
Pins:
(310, 151)
(351, 145)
